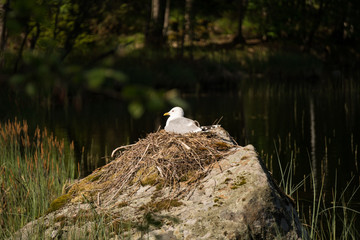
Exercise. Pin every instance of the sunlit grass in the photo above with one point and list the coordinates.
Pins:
(33, 170)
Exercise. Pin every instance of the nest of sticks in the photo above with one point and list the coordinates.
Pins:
(164, 158)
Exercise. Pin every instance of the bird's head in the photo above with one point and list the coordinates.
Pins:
(175, 112)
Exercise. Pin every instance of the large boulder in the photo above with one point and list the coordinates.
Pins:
(170, 186)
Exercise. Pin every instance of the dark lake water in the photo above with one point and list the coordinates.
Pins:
(312, 129)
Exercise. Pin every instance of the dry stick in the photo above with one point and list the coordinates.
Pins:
(124, 182)
(160, 171)
(118, 148)
(167, 170)
(196, 158)
(186, 146)
(130, 173)
(216, 122)
(211, 153)
(110, 169)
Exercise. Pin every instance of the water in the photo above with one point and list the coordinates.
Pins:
(317, 129)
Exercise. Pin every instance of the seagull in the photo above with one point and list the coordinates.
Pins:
(177, 123)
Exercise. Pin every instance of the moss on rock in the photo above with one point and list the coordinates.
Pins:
(59, 203)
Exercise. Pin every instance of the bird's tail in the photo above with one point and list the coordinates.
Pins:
(206, 128)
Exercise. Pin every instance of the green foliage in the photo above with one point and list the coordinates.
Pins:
(146, 97)
(97, 76)
(45, 75)
(25, 13)
(136, 109)
(85, 26)
(55, 49)
(227, 25)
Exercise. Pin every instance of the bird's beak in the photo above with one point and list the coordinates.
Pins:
(166, 114)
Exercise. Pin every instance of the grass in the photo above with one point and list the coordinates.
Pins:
(323, 217)
(33, 169)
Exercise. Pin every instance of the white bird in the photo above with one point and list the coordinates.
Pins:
(177, 123)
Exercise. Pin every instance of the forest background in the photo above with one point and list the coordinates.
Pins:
(57, 51)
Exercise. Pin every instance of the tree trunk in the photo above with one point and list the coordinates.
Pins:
(166, 18)
(72, 35)
(189, 22)
(21, 50)
(241, 8)
(35, 37)
(338, 33)
(4, 8)
(56, 21)
(81, 14)
(154, 36)
(314, 27)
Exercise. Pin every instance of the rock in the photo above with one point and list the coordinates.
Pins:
(235, 198)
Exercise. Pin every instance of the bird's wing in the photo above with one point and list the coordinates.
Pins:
(182, 125)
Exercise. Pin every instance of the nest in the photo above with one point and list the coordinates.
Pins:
(162, 159)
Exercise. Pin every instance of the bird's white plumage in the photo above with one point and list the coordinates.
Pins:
(177, 123)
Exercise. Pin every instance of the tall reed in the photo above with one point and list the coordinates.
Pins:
(323, 217)
(33, 169)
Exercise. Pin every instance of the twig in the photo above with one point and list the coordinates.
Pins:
(130, 173)
(122, 147)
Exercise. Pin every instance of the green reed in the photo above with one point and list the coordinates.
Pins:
(323, 217)
(33, 170)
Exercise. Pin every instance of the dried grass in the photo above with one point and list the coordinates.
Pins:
(163, 159)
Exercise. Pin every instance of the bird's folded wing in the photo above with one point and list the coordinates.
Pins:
(182, 125)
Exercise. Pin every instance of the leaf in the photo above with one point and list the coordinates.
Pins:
(97, 76)
(118, 76)
(172, 96)
(17, 79)
(30, 89)
(155, 100)
(133, 91)
(177, 101)
(136, 109)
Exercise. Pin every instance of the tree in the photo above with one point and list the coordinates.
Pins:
(189, 22)
(315, 23)
(241, 11)
(4, 8)
(154, 35)
(166, 18)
